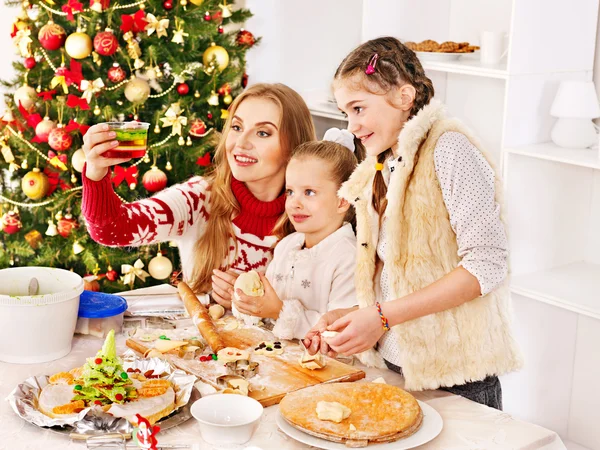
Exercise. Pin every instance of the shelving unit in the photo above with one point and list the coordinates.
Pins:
(552, 194)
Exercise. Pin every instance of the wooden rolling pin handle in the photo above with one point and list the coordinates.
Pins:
(201, 318)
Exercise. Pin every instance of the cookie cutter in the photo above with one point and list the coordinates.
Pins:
(242, 368)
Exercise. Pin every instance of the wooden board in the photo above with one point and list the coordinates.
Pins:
(277, 375)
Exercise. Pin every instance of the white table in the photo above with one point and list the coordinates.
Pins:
(467, 425)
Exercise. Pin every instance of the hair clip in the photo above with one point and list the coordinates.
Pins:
(372, 63)
(378, 166)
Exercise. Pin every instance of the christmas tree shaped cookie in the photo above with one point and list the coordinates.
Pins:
(103, 380)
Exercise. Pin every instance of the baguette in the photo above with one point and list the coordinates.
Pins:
(201, 318)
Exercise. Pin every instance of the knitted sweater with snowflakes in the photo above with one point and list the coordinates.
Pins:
(180, 214)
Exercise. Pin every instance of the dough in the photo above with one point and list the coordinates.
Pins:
(329, 334)
(332, 411)
(216, 312)
(229, 354)
(231, 325)
(250, 284)
(312, 362)
(352, 427)
(379, 380)
(269, 348)
(233, 385)
(164, 345)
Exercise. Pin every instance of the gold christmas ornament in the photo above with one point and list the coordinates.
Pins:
(73, 178)
(196, 2)
(181, 141)
(213, 100)
(96, 6)
(78, 160)
(97, 110)
(34, 239)
(157, 129)
(77, 248)
(168, 166)
(227, 99)
(137, 90)
(183, 3)
(24, 164)
(226, 10)
(173, 118)
(216, 55)
(78, 45)
(35, 184)
(197, 94)
(188, 141)
(160, 267)
(52, 230)
(146, 158)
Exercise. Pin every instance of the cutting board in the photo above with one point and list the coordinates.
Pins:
(277, 375)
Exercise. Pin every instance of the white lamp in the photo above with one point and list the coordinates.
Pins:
(575, 105)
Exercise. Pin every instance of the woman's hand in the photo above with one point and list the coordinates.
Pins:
(222, 285)
(313, 341)
(359, 331)
(96, 141)
(268, 306)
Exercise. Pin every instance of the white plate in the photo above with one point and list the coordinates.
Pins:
(438, 56)
(432, 426)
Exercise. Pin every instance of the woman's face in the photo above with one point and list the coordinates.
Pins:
(253, 143)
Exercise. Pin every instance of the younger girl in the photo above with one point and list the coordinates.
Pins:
(432, 250)
(312, 270)
(223, 223)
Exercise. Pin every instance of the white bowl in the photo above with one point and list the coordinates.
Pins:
(227, 418)
(37, 328)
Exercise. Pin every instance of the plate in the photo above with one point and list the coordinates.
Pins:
(176, 418)
(432, 426)
(439, 56)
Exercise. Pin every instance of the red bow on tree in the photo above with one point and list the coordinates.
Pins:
(73, 5)
(204, 161)
(75, 102)
(53, 171)
(74, 126)
(72, 75)
(130, 175)
(135, 22)
(47, 95)
(31, 119)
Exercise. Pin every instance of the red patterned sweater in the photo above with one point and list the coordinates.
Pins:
(179, 214)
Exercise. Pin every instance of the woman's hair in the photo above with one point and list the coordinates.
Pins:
(295, 128)
(395, 66)
(341, 161)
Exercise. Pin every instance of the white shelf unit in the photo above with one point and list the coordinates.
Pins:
(552, 194)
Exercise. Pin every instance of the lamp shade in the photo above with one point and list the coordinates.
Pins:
(576, 99)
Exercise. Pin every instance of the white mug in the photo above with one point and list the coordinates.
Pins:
(492, 47)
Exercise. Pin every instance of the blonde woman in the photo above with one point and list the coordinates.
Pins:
(223, 222)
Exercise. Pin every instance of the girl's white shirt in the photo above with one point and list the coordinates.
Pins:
(312, 281)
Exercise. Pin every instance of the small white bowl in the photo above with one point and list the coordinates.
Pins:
(227, 418)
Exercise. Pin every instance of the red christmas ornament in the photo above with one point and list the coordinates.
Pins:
(168, 5)
(197, 128)
(52, 36)
(59, 139)
(106, 43)
(244, 80)
(98, 360)
(66, 225)
(245, 38)
(209, 116)
(224, 90)
(207, 16)
(154, 180)
(220, 29)
(11, 222)
(116, 74)
(29, 63)
(111, 274)
(183, 89)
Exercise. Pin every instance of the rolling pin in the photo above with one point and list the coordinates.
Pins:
(200, 317)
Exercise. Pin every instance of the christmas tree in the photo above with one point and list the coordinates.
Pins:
(176, 64)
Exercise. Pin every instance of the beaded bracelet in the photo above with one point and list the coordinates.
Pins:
(384, 321)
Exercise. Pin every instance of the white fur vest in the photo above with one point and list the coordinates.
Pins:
(452, 347)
